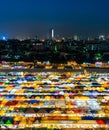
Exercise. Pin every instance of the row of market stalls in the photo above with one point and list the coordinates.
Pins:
(54, 100)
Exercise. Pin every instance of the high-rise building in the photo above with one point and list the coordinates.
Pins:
(52, 33)
(76, 38)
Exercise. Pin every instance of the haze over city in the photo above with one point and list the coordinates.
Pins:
(28, 18)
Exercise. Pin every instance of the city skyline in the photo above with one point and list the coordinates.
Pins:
(67, 17)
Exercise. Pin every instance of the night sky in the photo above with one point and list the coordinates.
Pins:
(24, 18)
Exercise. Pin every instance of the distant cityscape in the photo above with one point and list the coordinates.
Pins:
(55, 50)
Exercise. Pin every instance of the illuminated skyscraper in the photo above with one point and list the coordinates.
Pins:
(76, 38)
(52, 33)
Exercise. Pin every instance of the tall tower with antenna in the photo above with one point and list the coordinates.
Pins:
(52, 33)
